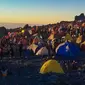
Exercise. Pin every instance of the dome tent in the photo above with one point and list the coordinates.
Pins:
(42, 51)
(51, 66)
(33, 47)
(39, 49)
(68, 37)
(68, 50)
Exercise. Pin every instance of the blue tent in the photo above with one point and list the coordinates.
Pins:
(68, 50)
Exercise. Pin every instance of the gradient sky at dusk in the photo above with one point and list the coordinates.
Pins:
(39, 11)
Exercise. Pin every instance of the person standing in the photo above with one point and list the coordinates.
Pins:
(20, 49)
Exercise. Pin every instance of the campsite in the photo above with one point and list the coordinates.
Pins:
(42, 55)
(42, 42)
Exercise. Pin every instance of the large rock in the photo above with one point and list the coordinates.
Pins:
(3, 31)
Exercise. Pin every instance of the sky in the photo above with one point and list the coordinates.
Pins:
(39, 11)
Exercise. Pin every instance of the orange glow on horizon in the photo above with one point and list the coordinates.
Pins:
(35, 19)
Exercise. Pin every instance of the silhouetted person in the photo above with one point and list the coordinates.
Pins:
(11, 51)
(20, 49)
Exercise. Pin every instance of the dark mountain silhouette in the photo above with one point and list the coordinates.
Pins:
(80, 17)
(3, 31)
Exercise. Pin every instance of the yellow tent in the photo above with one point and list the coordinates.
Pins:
(51, 66)
(68, 37)
(79, 39)
(51, 37)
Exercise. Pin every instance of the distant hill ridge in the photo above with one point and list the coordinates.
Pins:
(80, 17)
(3, 30)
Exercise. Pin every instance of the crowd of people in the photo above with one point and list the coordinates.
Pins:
(16, 44)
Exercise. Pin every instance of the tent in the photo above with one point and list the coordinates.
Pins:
(79, 39)
(36, 40)
(51, 66)
(30, 32)
(42, 51)
(32, 47)
(68, 37)
(38, 49)
(67, 50)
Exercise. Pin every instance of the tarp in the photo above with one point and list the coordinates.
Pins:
(68, 50)
(51, 66)
(68, 37)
